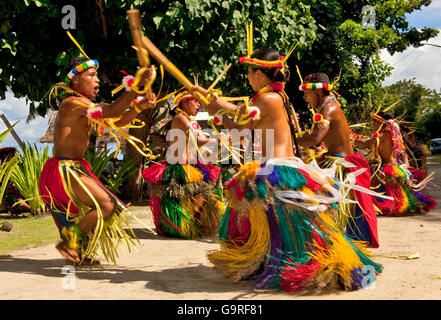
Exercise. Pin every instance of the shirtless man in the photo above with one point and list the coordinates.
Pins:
(72, 130)
(333, 130)
(331, 127)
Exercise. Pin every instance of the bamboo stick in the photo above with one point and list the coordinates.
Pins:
(136, 31)
(170, 67)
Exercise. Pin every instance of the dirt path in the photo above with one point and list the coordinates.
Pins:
(166, 269)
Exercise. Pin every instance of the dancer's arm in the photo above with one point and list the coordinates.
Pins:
(215, 104)
(316, 137)
(115, 109)
(365, 143)
(131, 114)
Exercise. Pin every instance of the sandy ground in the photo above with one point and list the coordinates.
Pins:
(171, 269)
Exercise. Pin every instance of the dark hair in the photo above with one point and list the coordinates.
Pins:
(172, 112)
(317, 77)
(75, 62)
(385, 115)
(7, 153)
(269, 54)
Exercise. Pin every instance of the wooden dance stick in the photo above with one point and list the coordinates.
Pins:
(169, 66)
(136, 31)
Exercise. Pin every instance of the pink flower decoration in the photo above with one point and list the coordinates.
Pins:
(195, 125)
(128, 81)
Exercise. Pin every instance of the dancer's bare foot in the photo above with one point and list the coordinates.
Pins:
(68, 253)
(90, 262)
(85, 262)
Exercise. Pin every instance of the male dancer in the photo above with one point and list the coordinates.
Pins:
(331, 127)
(85, 212)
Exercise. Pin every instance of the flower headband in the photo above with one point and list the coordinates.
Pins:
(378, 118)
(263, 64)
(80, 68)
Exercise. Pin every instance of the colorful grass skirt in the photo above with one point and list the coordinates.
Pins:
(173, 189)
(278, 230)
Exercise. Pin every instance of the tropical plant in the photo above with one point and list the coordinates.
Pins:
(115, 182)
(98, 162)
(26, 176)
(7, 166)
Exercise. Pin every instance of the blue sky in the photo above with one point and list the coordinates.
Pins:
(423, 63)
(427, 17)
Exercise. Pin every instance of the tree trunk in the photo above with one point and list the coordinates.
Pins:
(133, 189)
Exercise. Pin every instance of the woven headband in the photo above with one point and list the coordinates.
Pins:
(80, 68)
(314, 85)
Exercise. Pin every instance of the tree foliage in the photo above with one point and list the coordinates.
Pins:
(414, 104)
(343, 43)
(200, 37)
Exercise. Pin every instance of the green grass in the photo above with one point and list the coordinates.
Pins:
(27, 232)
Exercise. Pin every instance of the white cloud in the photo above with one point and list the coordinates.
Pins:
(17, 110)
(423, 64)
(435, 4)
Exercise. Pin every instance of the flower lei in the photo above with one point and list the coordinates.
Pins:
(194, 125)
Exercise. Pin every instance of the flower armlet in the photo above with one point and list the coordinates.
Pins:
(254, 113)
(318, 118)
(217, 119)
(135, 103)
(95, 113)
(127, 82)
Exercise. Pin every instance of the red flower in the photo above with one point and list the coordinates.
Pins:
(95, 113)
(195, 125)
(216, 120)
(318, 117)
